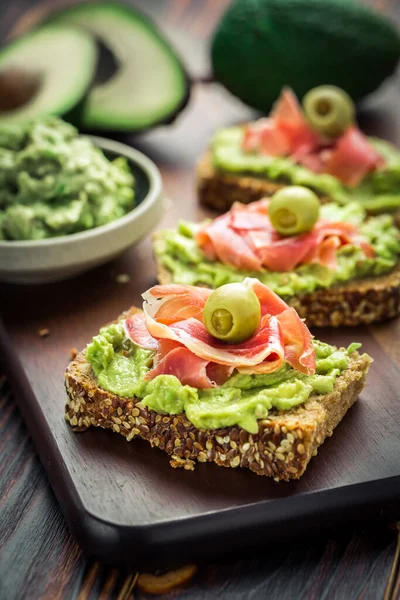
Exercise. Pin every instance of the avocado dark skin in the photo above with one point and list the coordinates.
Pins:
(262, 45)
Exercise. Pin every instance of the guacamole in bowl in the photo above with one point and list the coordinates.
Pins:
(56, 182)
(120, 204)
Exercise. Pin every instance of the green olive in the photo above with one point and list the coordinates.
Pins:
(293, 210)
(232, 313)
(329, 110)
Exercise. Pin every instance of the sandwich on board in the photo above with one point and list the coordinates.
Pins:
(334, 264)
(317, 145)
(231, 376)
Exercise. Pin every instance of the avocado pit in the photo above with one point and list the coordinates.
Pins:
(17, 87)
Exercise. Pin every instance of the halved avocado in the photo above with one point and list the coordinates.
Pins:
(149, 85)
(48, 71)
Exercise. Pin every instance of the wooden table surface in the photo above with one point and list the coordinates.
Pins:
(38, 557)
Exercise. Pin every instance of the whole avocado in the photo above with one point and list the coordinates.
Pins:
(262, 45)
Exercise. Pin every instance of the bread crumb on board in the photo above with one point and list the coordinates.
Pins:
(165, 582)
(43, 331)
(123, 278)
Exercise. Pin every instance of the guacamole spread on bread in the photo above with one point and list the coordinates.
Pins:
(120, 367)
(378, 192)
(177, 251)
(54, 182)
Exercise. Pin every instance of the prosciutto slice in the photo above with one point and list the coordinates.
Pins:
(174, 359)
(136, 330)
(247, 240)
(174, 305)
(297, 340)
(283, 254)
(290, 121)
(185, 349)
(286, 132)
(186, 366)
(267, 136)
(352, 158)
(221, 240)
(264, 345)
(299, 351)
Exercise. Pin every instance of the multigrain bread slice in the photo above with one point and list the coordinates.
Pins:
(360, 301)
(282, 448)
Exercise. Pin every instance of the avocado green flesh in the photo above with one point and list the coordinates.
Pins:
(149, 85)
(120, 367)
(64, 58)
(178, 252)
(54, 182)
(378, 192)
(260, 46)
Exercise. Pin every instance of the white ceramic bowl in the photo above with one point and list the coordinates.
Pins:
(53, 259)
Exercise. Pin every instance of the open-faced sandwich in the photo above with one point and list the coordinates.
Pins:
(318, 146)
(332, 263)
(230, 376)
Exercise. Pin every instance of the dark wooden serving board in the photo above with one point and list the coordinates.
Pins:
(122, 500)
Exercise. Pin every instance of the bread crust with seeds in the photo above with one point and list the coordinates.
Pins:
(281, 449)
(357, 302)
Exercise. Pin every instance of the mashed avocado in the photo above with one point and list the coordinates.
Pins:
(378, 192)
(178, 252)
(120, 367)
(54, 182)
